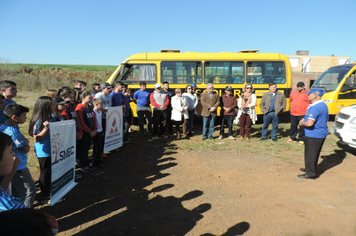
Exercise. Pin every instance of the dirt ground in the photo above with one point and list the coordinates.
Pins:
(162, 187)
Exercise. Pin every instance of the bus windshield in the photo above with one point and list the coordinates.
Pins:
(133, 73)
(331, 78)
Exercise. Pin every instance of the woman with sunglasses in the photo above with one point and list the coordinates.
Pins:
(247, 112)
(193, 102)
(180, 113)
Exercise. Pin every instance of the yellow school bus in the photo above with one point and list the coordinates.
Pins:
(221, 69)
(339, 85)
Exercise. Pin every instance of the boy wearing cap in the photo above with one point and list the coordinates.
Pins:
(159, 101)
(23, 186)
(194, 87)
(142, 99)
(228, 103)
(299, 105)
(316, 130)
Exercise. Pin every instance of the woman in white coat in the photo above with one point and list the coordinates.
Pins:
(180, 115)
(247, 113)
(193, 102)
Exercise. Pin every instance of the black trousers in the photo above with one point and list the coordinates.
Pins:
(312, 149)
(45, 176)
(159, 119)
(97, 145)
(294, 122)
(228, 120)
(85, 145)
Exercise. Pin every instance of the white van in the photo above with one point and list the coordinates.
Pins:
(345, 125)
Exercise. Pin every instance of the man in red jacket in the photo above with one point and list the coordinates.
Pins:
(299, 105)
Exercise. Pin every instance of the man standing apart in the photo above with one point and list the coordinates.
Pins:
(272, 104)
(299, 105)
(210, 102)
(159, 101)
(142, 98)
(316, 130)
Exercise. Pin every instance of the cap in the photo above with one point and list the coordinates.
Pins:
(59, 100)
(228, 88)
(317, 91)
(105, 85)
(300, 84)
(158, 85)
(194, 85)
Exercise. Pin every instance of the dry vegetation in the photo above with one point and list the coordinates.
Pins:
(42, 77)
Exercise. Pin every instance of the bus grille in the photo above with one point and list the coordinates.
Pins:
(338, 125)
(343, 116)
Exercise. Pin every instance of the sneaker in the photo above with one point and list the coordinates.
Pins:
(128, 142)
(46, 201)
(301, 143)
(220, 137)
(78, 176)
(291, 140)
(130, 130)
(231, 137)
(85, 169)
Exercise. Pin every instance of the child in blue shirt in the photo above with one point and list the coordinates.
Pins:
(23, 186)
(8, 166)
(39, 130)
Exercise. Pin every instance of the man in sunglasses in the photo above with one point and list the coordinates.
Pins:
(272, 104)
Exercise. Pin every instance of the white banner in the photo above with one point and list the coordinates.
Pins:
(63, 149)
(114, 129)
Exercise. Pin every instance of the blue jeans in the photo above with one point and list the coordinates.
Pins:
(208, 126)
(191, 118)
(269, 118)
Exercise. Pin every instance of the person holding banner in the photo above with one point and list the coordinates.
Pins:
(86, 118)
(39, 130)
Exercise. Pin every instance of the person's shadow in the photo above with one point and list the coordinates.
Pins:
(331, 161)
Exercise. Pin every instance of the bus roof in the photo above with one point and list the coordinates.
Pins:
(344, 65)
(194, 56)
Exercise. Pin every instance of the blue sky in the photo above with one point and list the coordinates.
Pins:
(106, 32)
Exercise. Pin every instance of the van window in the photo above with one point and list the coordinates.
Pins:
(138, 72)
(224, 72)
(181, 72)
(262, 72)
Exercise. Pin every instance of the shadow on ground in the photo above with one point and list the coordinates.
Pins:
(116, 199)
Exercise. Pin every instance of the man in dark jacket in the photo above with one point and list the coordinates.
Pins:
(228, 103)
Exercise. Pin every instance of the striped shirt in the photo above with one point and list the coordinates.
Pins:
(8, 202)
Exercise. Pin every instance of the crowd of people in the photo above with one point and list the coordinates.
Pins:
(177, 109)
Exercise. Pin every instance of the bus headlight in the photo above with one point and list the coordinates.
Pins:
(329, 101)
(353, 121)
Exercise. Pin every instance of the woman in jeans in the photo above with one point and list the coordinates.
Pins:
(247, 112)
(193, 102)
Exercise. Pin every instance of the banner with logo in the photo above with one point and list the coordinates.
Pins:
(63, 148)
(114, 129)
